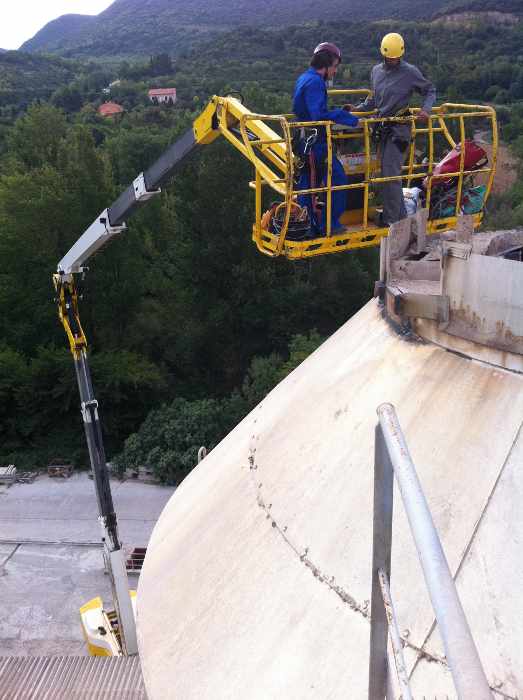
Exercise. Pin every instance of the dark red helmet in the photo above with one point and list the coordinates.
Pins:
(327, 47)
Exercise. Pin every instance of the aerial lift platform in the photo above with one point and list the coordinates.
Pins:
(267, 142)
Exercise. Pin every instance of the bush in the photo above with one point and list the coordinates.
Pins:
(39, 403)
(169, 439)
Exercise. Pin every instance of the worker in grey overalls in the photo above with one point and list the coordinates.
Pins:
(392, 82)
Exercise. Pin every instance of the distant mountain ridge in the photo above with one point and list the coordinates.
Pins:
(52, 35)
(143, 27)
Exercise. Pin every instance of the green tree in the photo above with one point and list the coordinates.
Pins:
(68, 98)
(169, 439)
(13, 371)
(160, 64)
(35, 138)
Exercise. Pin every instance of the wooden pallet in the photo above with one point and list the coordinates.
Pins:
(26, 477)
(59, 469)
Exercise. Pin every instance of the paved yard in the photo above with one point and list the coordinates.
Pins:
(51, 560)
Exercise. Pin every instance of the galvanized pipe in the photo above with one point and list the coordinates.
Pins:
(381, 548)
(395, 638)
(463, 658)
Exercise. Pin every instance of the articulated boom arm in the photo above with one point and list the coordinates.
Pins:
(223, 116)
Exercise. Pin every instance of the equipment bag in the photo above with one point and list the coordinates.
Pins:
(443, 206)
(475, 158)
(299, 228)
(473, 199)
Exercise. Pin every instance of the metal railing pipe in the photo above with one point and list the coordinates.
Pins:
(460, 649)
(395, 638)
(381, 553)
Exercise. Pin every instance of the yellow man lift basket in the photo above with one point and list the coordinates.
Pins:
(268, 143)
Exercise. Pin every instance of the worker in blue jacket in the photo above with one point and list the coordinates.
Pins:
(310, 104)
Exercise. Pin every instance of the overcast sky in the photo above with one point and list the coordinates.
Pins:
(21, 19)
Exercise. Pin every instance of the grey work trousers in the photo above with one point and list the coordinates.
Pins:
(392, 159)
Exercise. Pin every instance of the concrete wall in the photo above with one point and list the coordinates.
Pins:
(257, 579)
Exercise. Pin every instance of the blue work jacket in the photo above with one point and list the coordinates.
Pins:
(310, 102)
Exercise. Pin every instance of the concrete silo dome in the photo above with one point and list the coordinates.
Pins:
(257, 578)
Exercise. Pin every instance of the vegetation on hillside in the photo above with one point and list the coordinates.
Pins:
(25, 79)
(168, 440)
(271, 60)
(507, 6)
(132, 28)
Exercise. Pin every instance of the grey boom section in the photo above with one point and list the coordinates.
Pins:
(153, 178)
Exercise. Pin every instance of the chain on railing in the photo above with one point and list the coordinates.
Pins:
(391, 459)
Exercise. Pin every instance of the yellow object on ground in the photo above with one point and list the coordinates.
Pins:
(100, 627)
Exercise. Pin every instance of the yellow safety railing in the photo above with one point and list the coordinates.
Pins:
(266, 140)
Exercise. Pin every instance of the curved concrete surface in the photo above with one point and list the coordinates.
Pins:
(257, 578)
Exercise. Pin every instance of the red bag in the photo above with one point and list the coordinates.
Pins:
(475, 157)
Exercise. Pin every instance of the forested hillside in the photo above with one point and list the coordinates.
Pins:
(181, 311)
(25, 78)
(508, 6)
(62, 30)
(454, 58)
(134, 27)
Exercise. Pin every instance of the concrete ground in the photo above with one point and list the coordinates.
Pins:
(51, 559)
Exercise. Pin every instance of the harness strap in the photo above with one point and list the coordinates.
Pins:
(313, 180)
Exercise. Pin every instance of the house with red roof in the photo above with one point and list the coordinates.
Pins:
(163, 95)
(110, 109)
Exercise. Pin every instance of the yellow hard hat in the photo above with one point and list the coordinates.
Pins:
(392, 46)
